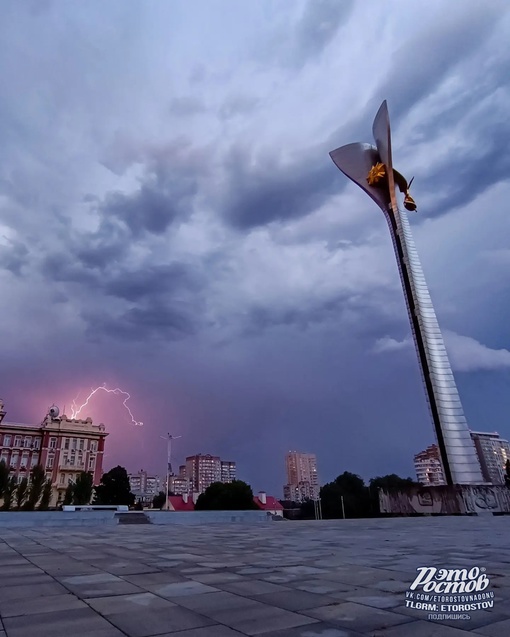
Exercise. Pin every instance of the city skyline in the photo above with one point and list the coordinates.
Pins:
(171, 224)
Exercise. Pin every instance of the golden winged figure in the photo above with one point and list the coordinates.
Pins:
(377, 174)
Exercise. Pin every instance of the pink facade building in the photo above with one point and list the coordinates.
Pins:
(63, 446)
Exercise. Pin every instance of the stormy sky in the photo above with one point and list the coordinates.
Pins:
(171, 223)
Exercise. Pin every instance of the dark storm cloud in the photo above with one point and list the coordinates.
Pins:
(465, 175)
(173, 175)
(13, 256)
(424, 62)
(152, 321)
(338, 309)
(59, 268)
(147, 210)
(100, 249)
(318, 25)
(258, 192)
(154, 282)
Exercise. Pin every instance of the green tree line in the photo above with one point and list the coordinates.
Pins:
(26, 494)
(349, 495)
(35, 492)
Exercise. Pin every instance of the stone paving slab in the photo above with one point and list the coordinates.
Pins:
(295, 579)
(295, 600)
(261, 618)
(30, 591)
(128, 603)
(37, 605)
(316, 630)
(498, 629)
(209, 631)
(422, 629)
(210, 604)
(83, 622)
(155, 622)
(357, 616)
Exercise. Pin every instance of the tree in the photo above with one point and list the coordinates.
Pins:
(349, 489)
(114, 488)
(21, 492)
(82, 488)
(9, 493)
(68, 497)
(307, 509)
(232, 496)
(158, 501)
(393, 482)
(38, 478)
(46, 496)
(4, 476)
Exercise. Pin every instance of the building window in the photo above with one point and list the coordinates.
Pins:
(66, 443)
(81, 444)
(73, 443)
(35, 460)
(17, 441)
(93, 446)
(92, 462)
(7, 440)
(27, 442)
(37, 443)
(24, 460)
(51, 459)
(65, 459)
(4, 457)
(62, 478)
(53, 443)
(14, 459)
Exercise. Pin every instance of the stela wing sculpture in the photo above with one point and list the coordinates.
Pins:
(371, 168)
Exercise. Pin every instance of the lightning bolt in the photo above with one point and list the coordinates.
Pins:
(75, 410)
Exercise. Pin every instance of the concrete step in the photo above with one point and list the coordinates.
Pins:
(133, 517)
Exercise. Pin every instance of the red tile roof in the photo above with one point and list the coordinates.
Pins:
(177, 503)
(271, 504)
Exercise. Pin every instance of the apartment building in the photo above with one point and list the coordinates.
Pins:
(302, 477)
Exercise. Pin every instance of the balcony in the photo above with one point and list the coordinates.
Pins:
(72, 466)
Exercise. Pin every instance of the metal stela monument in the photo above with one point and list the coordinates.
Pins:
(371, 168)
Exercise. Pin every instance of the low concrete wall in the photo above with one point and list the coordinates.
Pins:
(208, 517)
(37, 519)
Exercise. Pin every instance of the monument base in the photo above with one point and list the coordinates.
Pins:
(446, 500)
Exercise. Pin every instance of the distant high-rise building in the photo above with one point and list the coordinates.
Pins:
(428, 467)
(228, 471)
(493, 452)
(179, 485)
(302, 478)
(203, 470)
(144, 486)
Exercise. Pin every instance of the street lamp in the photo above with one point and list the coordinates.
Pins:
(169, 439)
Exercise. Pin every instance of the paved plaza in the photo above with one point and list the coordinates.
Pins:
(281, 579)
